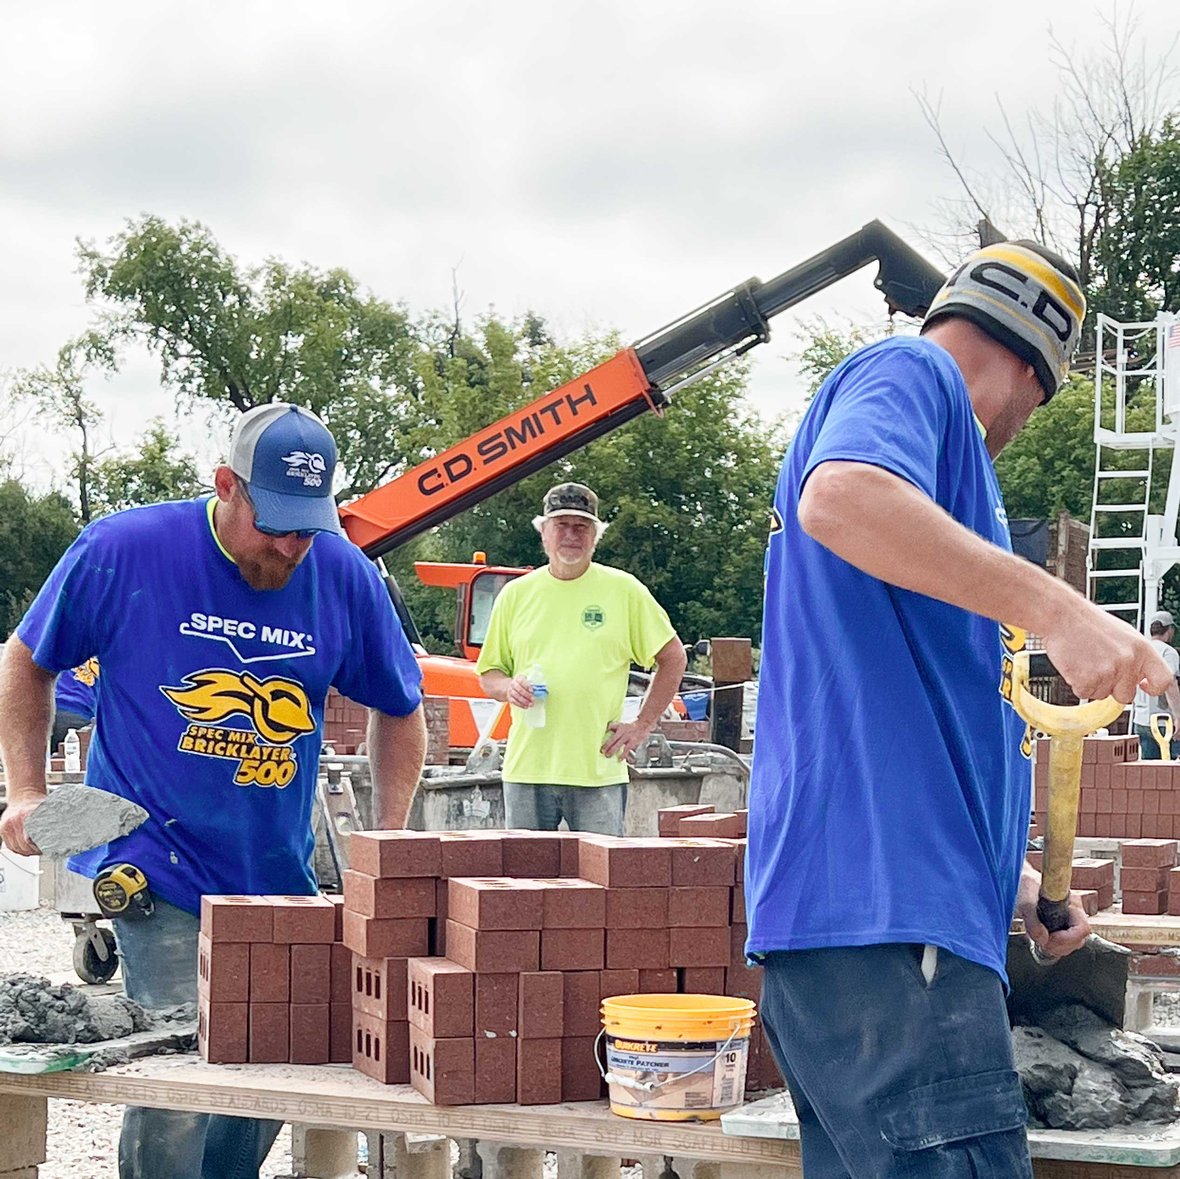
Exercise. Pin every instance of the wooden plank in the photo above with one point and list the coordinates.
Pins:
(337, 1097)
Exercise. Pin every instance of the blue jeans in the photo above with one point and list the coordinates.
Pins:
(1149, 748)
(584, 808)
(894, 1077)
(158, 957)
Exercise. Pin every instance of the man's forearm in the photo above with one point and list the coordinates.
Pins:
(670, 664)
(397, 752)
(26, 714)
(496, 684)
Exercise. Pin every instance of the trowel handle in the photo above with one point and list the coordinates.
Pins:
(1053, 915)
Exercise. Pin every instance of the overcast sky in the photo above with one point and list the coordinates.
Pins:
(609, 164)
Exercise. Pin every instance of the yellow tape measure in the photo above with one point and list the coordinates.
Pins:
(122, 891)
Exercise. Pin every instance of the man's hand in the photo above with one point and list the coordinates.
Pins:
(520, 691)
(12, 827)
(624, 737)
(1064, 941)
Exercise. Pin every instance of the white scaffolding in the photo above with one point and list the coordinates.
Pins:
(1136, 425)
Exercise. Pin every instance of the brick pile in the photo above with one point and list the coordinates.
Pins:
(1149, 880)
(478, 960)
(1121, 796)
(273, 981)
(346, 724)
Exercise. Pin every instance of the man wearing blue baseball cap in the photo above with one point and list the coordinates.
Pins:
(220, 624)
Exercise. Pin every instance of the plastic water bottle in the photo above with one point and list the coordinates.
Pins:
(535, 717)
(71, 749)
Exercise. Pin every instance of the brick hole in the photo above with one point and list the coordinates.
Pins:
(377, 1049)
(377, 987)
(425, 1002)
(360, 980)
(360, 1041)
(426, 1062)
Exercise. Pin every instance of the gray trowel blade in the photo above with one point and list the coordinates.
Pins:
(75, 818)
(1094, 975)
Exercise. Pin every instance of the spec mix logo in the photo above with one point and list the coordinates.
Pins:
(306, 465)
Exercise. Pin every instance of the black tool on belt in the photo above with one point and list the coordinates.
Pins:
(122, 891)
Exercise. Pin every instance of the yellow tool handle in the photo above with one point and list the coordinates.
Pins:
(1066, 727)
(1162, 729)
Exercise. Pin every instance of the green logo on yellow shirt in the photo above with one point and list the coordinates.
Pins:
(593, 617)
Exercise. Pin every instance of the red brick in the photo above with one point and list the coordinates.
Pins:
(223, 970)
(381, 1048)
(438, 927)
(270, 973)
(737, 945)
(495, 1071)
(531, 854)
(582, 995)
(658, 982)
(625, 863)
(698, 907)
(540, 1005)
(668, 818)
(310, 1033)
(340, 1033)
(580, 1078)
(496, 1004)
(1088, 872)
(311, 974)
(270, 1033)
(441, 998)
(718, 826)
(703, 980)
(538, 1072)
(386, 937)
(702, 863)
(236, 919)
(618, 982)
(571, 853)
(744, 982)
(379, 987)
(1145, 902)
(1144, 879)
(394, 853)
(374, 896)
(699, 947)
(1174, 903)
(443, 1071)
(638, 949)
(1105, 897)
(303, 919)
(341, 974)
(1089, 900)
(222, 1031)
(471, 853)
(636, 908)
(495, 902)
(573, 949)
(1149, 853)
(493, 951)
(1132, 826)
(337, 901)
(737, 912)
(572, 904)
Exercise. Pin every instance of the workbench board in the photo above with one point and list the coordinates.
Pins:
(1134, 929)
(336, 1096)
(1156, 1146)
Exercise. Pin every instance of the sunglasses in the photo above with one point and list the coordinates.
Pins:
(298, 533)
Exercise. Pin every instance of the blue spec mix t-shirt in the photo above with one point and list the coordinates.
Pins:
(213, 693)
(889, 799)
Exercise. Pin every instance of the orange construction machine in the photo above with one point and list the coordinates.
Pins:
(637, 379)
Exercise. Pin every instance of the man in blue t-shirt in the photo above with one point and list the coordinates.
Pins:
(889, 801)
(220, 625)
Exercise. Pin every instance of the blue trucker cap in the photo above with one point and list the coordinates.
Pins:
(287, 457)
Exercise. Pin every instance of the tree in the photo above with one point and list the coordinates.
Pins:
(34, 532)
(150, 472)
(60, 393)
(825, 346)
(242, 337)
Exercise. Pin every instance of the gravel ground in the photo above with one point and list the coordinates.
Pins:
(83, 1137)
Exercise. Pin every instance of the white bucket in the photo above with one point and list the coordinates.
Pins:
(19, 881)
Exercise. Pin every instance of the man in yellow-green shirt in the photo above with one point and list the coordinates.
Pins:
(575, 627)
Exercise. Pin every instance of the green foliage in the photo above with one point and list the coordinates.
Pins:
(149, 473)
(1136, 260)
(824, 346)
(34, 531)
(244, 337)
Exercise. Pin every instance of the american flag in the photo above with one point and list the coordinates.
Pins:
(1174, 334)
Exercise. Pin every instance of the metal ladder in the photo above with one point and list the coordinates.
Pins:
(1118, 528)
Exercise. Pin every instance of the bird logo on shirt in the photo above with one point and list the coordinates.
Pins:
(277, 707)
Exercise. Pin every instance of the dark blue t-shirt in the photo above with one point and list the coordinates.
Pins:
(76, 689)
(213, 693)
(889, 800)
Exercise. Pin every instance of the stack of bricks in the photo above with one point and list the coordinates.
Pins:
(273, 981)
(1147, 876)
(346, 726)
(480, 958)
(1121, 797)
(1092, 879)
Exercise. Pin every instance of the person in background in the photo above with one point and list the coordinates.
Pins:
(576, 626)
(220, 624)
(886, 857)
(1162, 630)
(74, 701)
